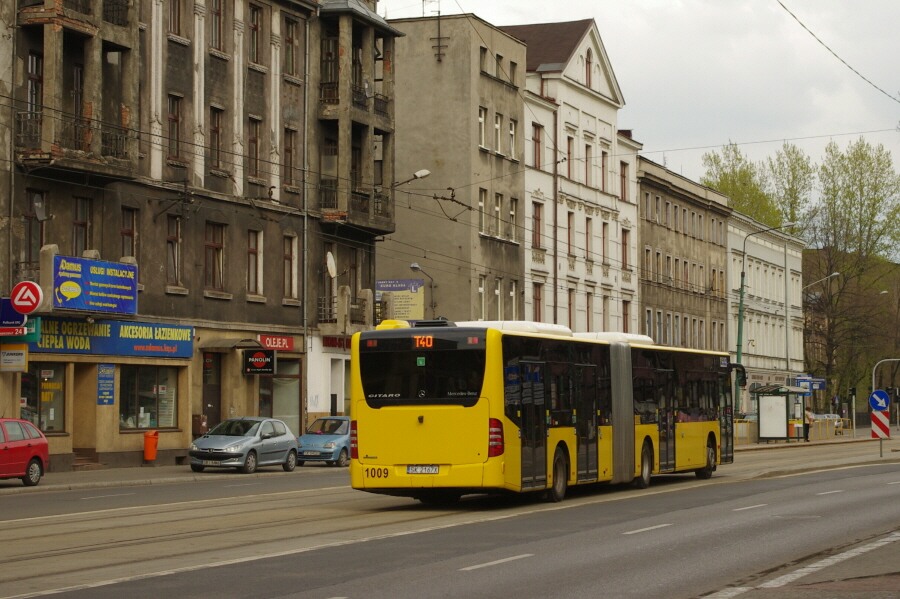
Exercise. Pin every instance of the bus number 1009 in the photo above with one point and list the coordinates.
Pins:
(376, 472)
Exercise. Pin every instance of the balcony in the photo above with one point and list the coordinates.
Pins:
(115, 12)
(329, 93)
(360, 100)
(382, 105)
(345, 314)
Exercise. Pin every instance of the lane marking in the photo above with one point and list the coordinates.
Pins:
(896, 482)
(649, 528)
(830, 492)
(105, 496)
(242, 485)
(829, 561)
(749, 507)
(496, 562)
(729, 593)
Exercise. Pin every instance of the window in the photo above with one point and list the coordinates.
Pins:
(675, 219)
(290, 143)
(498, 293)
(482, 124)
(659, 327)
(647, 273)
(648, 322)
(604, 242)
(498, 127)
(570, 307)
(668, 280)
(289, 261)
(216, 18)
(148, 396)
(81, 226)
(35, 85)
(175, 17)
(482, 309)
(215, 137)
(482, 60)
(498, 213)
(605, 314)
(513, 68)
(623, 181)
(537, 223)
(536, 145)
(604, 168)
(254, 262)
(482, 211)
(511, 232)
(588, 238)
(589, 311)
(498, 66)
(676, 333)
(255, 36)
(214, 256)
(588, 163)
(570, 156)
(174, 126)
(513, 310)
(173, 250)
(668, 220)
(291, 47)
(570, 233)
(537, 290)
(667, 332)
(513, 125)
(626, 240)
(128, 232)
(43, 391)
(588, 67)
(253, 141)
(626, 316)
(647, 207)
(34, 228)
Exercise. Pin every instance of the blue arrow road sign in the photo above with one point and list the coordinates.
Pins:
(879, 400)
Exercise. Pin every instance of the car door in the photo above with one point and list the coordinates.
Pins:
(5, 456)
(268, 452)
(286, 440)
(17, 448)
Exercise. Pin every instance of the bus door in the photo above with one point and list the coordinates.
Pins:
(726, 420)
(586, 420)
(666, 429)
(533, 428)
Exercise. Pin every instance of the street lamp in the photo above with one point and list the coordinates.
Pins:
(740, 330)
(831, 276)
(416, 268)
(420, 174)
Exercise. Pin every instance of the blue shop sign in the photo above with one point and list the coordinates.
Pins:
(94, 285)
(114, 338)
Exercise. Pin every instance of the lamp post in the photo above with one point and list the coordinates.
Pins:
(832, 275)
(740, 324)
(416, 268)
(420, 174)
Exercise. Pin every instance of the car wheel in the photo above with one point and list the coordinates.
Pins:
(250, 463)
(291, 461)
(33, 473)
(343, 460)
(198, 467)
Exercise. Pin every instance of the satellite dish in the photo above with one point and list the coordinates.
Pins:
(329, 264)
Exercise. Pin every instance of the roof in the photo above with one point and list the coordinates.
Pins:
(778, 390)
(550, 45)
(360, 11)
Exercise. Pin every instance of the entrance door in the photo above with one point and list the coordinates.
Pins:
(586, 420)
(534, 425)
(666, 432)
(212, 388)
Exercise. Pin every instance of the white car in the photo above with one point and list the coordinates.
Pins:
(834, 420)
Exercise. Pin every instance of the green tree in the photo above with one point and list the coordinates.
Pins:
(853, 231)
(732, 174)
(791, 177)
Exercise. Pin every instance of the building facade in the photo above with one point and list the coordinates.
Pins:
(228, 154)
(772, 339)
(684, 260)
(580, 180)
(464, 227)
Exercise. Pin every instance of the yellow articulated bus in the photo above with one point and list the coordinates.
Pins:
(442, 409)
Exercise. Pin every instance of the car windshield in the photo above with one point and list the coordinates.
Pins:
(328, 426)
(236, 428)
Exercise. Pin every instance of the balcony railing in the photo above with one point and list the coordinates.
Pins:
(328, 309)
(75, 134)
(70, 132)
(113, 141)
(359, 202)
(382, 104)
(360, 99)
(384, 207)
(28, 129)
(328, 197)
(329, 93)
(115, 11)
(359, 307)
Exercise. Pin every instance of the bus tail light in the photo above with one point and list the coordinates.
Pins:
(495, 438)
(354, 447)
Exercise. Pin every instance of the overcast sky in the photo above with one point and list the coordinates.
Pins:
(697, 74)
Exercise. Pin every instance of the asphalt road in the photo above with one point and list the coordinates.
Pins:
(302, 535)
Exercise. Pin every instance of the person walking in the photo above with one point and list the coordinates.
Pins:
(808, 420)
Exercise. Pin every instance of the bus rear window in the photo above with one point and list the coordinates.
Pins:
(408, 372)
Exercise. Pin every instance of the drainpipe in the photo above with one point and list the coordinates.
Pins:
(555, 211)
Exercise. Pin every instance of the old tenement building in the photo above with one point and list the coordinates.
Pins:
(197, 186)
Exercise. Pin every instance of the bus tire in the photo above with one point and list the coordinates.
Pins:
(707, 471)
(642, 480)
(560, 477)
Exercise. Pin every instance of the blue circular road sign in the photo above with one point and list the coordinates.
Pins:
(879, 400)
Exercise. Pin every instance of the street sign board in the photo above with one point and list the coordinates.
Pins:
(881, 427)
(879, 400)
(9, 316)
(12, 331)
(26, 297)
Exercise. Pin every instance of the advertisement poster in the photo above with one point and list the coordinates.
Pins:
(106, 384)
(407, 297)
(83, 284)
(114, 338)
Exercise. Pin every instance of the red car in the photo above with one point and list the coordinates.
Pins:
(24, 452)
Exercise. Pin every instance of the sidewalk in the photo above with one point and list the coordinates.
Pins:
(751, 461)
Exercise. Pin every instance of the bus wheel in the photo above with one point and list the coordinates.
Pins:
(643, 480)
(560, 477)
(707, 471)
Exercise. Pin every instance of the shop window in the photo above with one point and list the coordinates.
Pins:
(148, 397)
(43, 389)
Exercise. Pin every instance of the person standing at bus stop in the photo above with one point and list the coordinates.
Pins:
(808, 419)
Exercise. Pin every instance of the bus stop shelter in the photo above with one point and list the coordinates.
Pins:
(780, 411)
